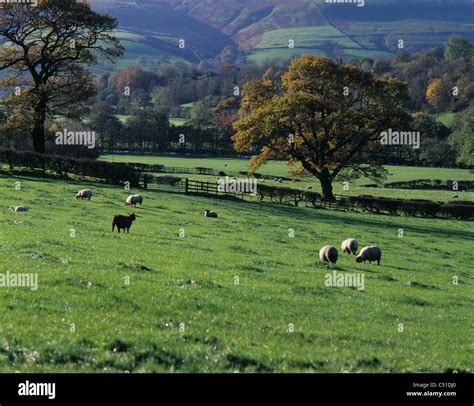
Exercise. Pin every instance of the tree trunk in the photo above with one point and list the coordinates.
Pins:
(326, 188)
(38, 129)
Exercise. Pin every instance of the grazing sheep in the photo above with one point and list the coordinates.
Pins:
(370, 254)
(123, 222)
(328, 254)
(84, 194)
(132, 200)
(210, 213)
(18, 208)
(349, 246)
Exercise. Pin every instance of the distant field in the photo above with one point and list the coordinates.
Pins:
(176, 121)
(280, 168)
(231, 164)
(122, 118)
(134, 49)
(264, 55)
(236, 293)
(360, 39)
(308, 40)
(446, 119)
(415, 33)
(368, 53)
(304, 37)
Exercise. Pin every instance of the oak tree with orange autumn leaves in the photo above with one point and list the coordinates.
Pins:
(324, 118)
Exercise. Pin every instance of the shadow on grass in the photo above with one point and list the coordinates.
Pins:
(339, 217)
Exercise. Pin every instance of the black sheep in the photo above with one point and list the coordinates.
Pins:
(123, 222)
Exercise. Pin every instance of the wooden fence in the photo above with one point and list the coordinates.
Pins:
(296, 197)
(207, 188)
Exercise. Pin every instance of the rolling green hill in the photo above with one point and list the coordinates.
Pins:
(151, 30)
(232, 294)
(261, 30)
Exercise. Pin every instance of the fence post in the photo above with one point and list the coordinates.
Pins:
(145, 181)
(186, 185)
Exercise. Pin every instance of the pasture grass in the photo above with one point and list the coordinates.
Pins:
(265, 55)
(358, 187)
(305, 37)
(227, 326)
(280, 168)
(446, 119)
(177, 121)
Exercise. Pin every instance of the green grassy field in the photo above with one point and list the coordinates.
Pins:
(260, 56)
(420, 32)
(176, 121)
(446, 118)
(183, 310)
(135, 47)
(280, 168)
(304, 37)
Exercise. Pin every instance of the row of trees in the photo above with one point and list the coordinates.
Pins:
(324, 117)
(146, 131)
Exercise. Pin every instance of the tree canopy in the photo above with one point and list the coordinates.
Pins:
(457, 47)
(47, 49)
(323, 117)
(462, 138)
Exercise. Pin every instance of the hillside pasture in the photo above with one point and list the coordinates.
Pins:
(416, 33)
(358, 187)
(138, 46)
(236, 293)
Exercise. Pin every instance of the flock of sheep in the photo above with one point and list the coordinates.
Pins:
(120, 221)
(125, 222)
(329, 253)
(326, 254)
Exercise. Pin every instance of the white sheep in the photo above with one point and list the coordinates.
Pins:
(370, 254)
(84, 194)
(349, 246)
(18, 208)
(328, 254)
(210, 213)
(132, 200)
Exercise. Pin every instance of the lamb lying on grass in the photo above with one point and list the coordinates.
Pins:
(328, 254)
(210, 213)
(18, 208)
(84, 194)
(123, 222)
(132, 200)
(349, 246)
(370, 254)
